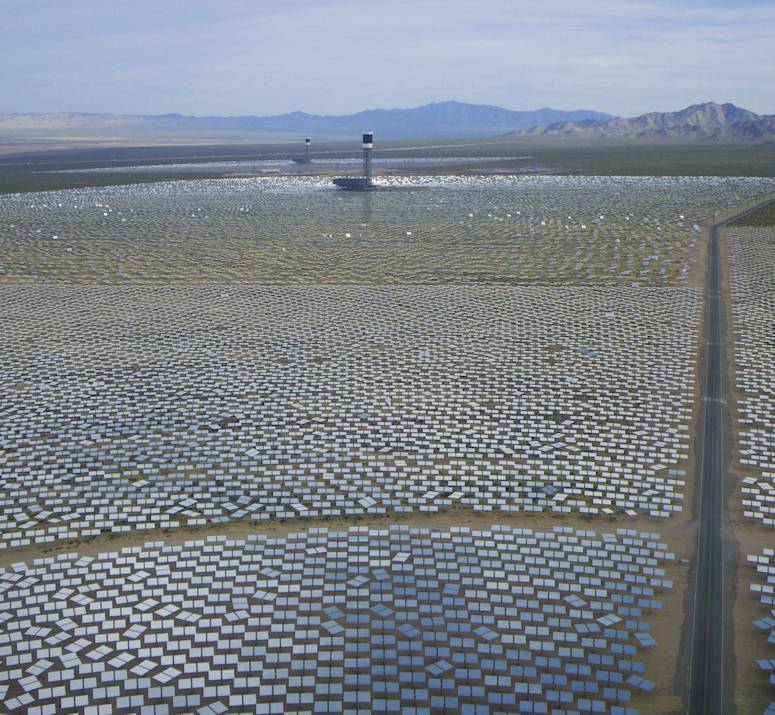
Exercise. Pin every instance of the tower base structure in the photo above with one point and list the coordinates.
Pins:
(355, 183)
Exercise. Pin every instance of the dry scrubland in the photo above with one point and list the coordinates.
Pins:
(193, 355)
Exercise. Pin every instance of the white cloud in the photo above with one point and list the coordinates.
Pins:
(337, 56)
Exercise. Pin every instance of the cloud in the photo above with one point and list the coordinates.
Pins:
(338, 56)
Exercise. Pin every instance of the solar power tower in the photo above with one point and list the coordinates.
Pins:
(307, 143)
(360, 183)
(368, 145)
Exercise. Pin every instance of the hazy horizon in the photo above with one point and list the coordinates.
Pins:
(339, 57)
(386, 108)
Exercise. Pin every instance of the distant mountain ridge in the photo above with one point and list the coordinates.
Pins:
(708, 121)
(438, 119)
(704, 122)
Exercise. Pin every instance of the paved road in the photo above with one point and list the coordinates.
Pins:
(707, 660)
(707, 667)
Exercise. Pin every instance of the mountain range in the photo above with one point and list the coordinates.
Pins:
(709, 122)
(438, 119)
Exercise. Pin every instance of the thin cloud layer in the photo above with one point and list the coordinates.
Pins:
(340, 56)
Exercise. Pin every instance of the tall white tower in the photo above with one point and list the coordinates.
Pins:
(307, 143)
(360, 183)
(368, 145)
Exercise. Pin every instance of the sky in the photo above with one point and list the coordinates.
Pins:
(262, 57)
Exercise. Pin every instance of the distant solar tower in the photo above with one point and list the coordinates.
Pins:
(307, 143)
(368, 145)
